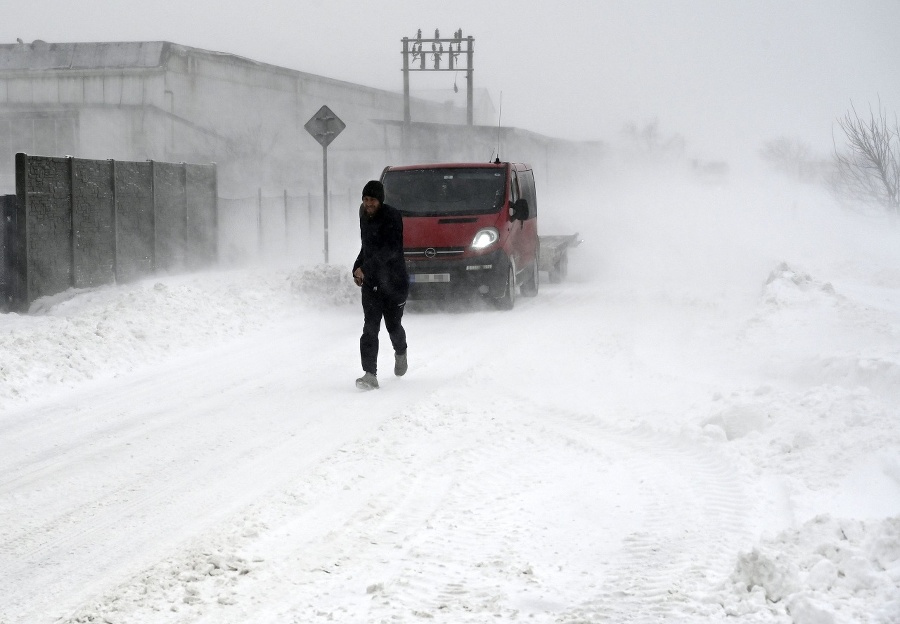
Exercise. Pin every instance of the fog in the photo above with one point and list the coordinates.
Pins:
(725, 76)
(698, 425)
(658, 228)
(717, 79)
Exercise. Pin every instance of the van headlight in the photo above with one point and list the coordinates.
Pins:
(485, 237)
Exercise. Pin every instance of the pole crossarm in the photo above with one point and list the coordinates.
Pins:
(417, 50)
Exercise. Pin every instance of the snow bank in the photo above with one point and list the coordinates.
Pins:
(828, 571)
(326, 284)
(91, 333)
(823, 438)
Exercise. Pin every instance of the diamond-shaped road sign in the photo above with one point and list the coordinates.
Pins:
(324, 126)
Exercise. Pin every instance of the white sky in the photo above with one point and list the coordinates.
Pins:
(725, 75)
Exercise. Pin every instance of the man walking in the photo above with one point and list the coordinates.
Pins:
(380, 270)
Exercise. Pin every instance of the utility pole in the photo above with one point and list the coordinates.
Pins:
(414, 54)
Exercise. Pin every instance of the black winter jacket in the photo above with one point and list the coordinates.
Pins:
(381, 254)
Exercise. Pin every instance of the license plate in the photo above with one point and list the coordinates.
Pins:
(429, 278)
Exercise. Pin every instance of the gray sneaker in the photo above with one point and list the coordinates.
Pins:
(400, 365)
(367, 382)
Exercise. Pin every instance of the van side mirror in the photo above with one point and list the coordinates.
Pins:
(519, 209)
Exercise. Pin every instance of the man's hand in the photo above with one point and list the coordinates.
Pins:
(358, 276)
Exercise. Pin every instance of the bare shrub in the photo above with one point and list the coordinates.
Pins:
(869, 169)
(794, 158)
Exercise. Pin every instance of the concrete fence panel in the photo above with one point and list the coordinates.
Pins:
(8, 258)
(134, 220)
(93, 223)
(170, 210)
(201, 191)
(44, 215)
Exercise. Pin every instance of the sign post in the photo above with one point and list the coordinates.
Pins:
(324, 127)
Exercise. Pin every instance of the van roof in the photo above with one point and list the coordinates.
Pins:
(458, 165)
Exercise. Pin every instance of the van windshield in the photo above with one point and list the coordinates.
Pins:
(451, 191)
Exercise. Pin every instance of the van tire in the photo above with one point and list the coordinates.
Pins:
(508, 300)
(531, 284)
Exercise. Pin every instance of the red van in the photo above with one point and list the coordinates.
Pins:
(467, 227)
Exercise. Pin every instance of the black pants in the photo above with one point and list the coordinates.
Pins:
(375, 307)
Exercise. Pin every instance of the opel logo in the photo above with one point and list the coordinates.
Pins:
(430, 252)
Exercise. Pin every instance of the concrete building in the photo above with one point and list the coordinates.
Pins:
(164, 101)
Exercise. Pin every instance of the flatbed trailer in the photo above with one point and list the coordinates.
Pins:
(554, 255)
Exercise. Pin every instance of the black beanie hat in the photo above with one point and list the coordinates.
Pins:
(374, 188)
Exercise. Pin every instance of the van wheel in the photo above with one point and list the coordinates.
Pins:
(508, 300)
(532, 282)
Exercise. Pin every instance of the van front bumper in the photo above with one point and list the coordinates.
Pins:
(439, 278)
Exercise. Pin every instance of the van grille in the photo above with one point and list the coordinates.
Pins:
(423, 253)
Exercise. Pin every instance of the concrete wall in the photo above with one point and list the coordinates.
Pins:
(81, 223)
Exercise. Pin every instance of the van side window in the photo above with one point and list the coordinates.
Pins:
(513, 187)
(527, 181)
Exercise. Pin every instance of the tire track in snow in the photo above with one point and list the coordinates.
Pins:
(455, 518)
(699, 509)
(122, 508)
(322, 536)
(437, 573)
(379, 523)
(687, 515)
(417, 558)
(321, 508)
(659, 511)
(393, 555)
(484, 555)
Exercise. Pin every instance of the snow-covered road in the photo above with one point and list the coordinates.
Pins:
(624, 447)
(444, 491)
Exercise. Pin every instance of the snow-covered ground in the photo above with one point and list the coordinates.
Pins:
(701, 425)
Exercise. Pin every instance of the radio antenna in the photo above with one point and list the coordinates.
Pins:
(499, 117)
